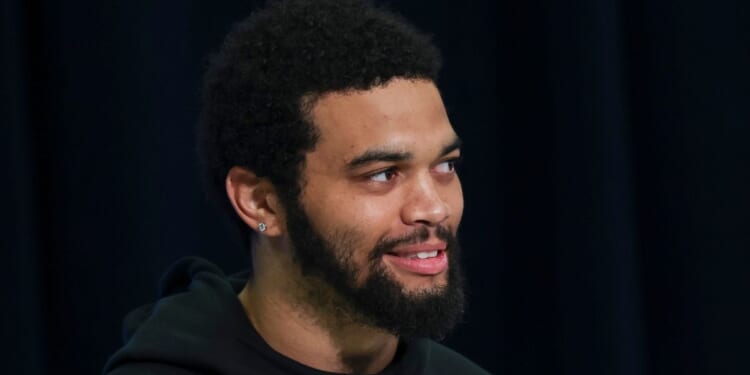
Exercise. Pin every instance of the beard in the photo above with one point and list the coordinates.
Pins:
(330, 280)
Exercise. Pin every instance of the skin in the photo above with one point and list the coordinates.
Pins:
(411, 184)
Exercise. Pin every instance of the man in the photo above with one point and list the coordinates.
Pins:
(329, 144)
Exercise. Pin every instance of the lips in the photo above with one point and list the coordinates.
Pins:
(422, 259)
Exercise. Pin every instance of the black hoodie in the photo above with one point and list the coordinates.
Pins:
(198, 326)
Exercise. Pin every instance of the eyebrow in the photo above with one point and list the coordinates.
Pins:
(372, 156)
(455, 145)
(388, 155)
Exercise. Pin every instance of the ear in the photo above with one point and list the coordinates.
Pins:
(254, 200)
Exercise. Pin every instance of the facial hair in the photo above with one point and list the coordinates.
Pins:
(380, 300)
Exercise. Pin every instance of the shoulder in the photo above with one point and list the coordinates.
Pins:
(444, 360)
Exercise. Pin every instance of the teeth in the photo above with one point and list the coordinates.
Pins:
(427, 254)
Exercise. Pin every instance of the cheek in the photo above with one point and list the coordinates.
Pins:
(372, 220)
(333, 211)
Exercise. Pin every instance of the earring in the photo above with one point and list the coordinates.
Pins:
(262, 227)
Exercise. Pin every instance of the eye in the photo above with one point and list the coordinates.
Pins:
(447, 166)
(383, 176)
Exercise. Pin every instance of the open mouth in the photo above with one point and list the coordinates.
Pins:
(419, 255)
(426, 263)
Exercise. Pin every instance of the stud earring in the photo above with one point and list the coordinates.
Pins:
(262, 227)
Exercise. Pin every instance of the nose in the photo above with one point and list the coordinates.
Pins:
(424, 204)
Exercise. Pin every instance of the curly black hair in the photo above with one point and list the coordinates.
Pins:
(260, 87)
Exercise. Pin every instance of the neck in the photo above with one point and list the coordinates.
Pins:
(318, 335)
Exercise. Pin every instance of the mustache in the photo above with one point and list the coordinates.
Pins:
(421, 234)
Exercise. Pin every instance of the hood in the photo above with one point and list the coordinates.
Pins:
(195, 323)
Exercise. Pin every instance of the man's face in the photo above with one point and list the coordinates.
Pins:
(380, 206)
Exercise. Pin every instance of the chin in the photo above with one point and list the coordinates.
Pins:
(417, 284)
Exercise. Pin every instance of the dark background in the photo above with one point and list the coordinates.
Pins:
(605, 177)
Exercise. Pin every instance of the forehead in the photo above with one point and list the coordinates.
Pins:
(403, 115)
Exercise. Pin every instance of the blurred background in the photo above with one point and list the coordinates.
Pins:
(606, 173)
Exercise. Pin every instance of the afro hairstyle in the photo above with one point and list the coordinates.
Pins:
(259, 88)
